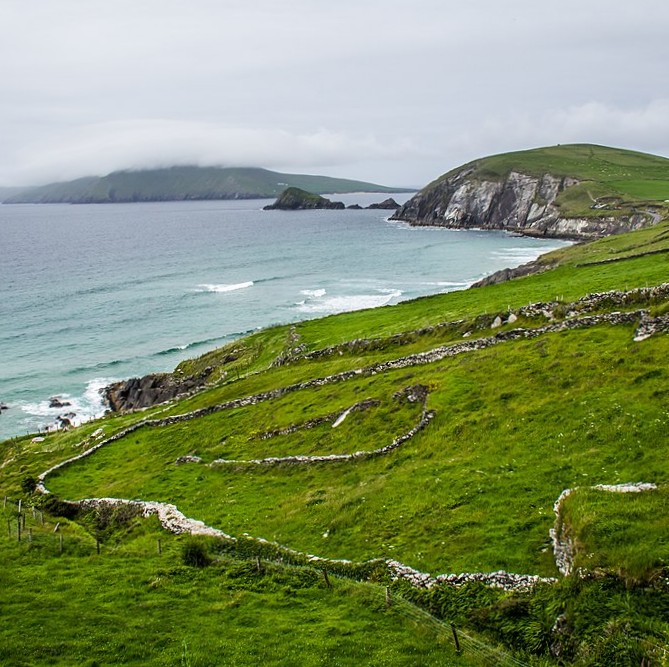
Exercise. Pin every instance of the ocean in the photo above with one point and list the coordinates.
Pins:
(91, 294)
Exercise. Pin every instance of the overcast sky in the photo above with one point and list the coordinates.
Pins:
(381, 90)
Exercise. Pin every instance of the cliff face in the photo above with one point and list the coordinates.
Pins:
(519, 203)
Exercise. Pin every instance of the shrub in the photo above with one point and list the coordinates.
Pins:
(195, 553)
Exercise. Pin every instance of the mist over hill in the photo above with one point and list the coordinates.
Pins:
(186, 183)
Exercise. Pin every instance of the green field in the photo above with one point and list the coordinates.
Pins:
(514, 424)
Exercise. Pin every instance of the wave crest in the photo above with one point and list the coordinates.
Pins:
(221, 288)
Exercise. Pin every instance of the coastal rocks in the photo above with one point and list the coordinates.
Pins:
(57, 402)
(150, 390)
(387, 205)
(3, 407)
(517, 202)
(295, 199)
(530, 268)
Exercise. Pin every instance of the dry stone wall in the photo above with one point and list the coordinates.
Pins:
(175, 521)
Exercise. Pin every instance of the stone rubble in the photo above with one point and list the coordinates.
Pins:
(188, 459)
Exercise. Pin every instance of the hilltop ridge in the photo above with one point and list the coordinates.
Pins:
(187, 183)
(578, 191)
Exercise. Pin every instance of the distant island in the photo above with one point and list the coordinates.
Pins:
(296, 199)
(185, 184)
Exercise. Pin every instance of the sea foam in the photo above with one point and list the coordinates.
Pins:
(346, 303)
(89, 405)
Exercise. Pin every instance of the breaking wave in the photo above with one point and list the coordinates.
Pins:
(220, 288)
(346, 303)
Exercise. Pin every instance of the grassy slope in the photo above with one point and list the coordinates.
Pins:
(131, 605)
(629, 178)
(514, 425)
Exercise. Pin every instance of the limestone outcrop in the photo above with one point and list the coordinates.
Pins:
(518, 202)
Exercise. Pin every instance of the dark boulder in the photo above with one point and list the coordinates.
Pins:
(56, 402)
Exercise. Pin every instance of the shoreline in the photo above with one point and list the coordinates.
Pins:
(21, 422)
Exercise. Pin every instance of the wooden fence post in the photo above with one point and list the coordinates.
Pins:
(328, 583)
(60, 542)
(160, 547)
(389, 599)
(455, 639)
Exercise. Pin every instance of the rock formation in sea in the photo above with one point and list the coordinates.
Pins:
(387, 204)
(295, 199)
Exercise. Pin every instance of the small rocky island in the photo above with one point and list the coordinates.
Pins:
(296, 199)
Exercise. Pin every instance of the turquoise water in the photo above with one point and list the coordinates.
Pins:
(95, 293)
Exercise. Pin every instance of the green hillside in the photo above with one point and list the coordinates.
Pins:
(614, 177)
(187, 183)
(454, 423)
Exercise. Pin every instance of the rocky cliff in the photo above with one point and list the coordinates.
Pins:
(149, 390)
(517, 202)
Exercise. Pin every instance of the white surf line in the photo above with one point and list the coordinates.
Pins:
(563, 547)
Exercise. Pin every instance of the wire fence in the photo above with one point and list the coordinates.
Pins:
(473, 650)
